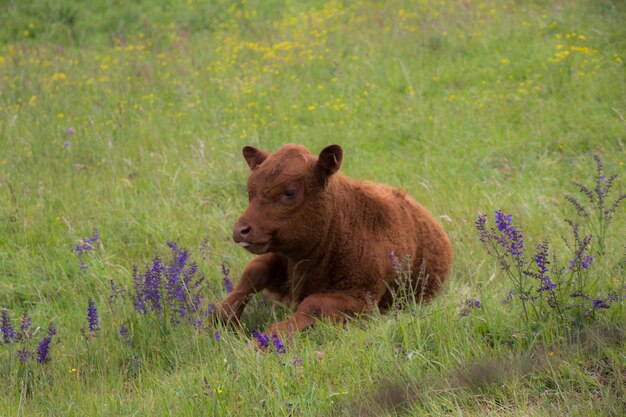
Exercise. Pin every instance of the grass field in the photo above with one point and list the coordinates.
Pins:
(129, 118)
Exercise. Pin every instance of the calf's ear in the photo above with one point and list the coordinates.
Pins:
(254, 156)
(328, 162)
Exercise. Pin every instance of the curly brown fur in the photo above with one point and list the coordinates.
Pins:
(324, 241)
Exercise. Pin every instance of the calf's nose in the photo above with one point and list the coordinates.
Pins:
(241, 231)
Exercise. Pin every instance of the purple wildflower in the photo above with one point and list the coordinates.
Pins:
(541, 258)
(92, 316)
(572, 263)
(67, 143)
(171, 285)
(469, 305)
(180, 284)
(8, 333)
(599, 303)
(24, 355)
(508, 298)
(395, 263)
(512, 237)
(262, 339)
(228, 283)
(210, 309)
(296, 361)
(218, 335)
(547, 284)
(27, 322)
(52, 330)
(480, 222)
(503, 222)
(579, 294)
(542, 262)
(612, 296)
(125, 333)
(181, 274)
(280, 348)
(85, 246)
(152, 284)
(584, 263)
(70, 131)
(43, 350)
(138, 299)
(116, 293)
(25, 332)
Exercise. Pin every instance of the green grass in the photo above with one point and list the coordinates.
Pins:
(470, 106)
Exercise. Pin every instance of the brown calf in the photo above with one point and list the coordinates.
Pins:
(326, 242)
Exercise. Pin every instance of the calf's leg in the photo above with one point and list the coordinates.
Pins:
(265, 271)
(335, 306)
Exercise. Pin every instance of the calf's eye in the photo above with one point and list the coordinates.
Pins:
(290, 194)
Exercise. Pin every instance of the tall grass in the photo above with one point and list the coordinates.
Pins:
(129, 118)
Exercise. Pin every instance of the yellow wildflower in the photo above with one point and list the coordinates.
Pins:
(59, 76)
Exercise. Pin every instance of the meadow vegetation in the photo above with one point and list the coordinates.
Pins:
(121, 125)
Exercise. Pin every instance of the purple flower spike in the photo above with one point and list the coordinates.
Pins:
(85, 246)
(280, 348)
(125, 333)
(43, 350)
(228, 283)
(92, 316)
(469, 305)
(52, 330)
(8, 333)
(480, 222)
(25, 332)
(262, 339)
(503, 221)
(23, 355)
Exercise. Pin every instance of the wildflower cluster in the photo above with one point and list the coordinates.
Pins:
(600, 211)
(264, 341)
(545, 287)
(23, 336)
(85, 246)
(469, 305)
(408, 283)
(170, 288)
(503, 240)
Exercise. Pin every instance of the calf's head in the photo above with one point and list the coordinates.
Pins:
(288, 199)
